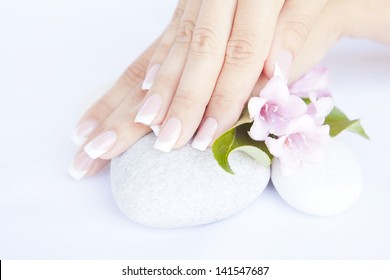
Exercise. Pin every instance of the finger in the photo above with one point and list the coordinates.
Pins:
(91, 124)
(159, 97)
(83, 165)
(325, 32)
(260, 84)
(99, 111)
(296, 19)
(164, 46)
(114, 136)
(204, 62)
(246, 51)
(118, 132)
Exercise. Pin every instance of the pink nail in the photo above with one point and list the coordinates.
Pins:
(82, 131)
(101, 144)
(169, 135)
(149, 110)
(150, 77)
(205, 134)
(283, 65)
(80, 166)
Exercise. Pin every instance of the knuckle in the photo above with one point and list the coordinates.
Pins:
(204, 41)
(185, 99)
(241, 49)
(177, 14)
(163, 49)
(102, 108)
(136, 96)
(227, 99)
(185, 31)
(166, 82)
(136, 72)
(298, 28)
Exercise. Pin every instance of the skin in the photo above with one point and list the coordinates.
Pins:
(215, 53)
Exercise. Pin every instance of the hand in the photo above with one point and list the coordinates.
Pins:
(107, 125)
(110, 118)
(217, 57)
(221, 49)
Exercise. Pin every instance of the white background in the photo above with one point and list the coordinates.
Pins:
(53, 53)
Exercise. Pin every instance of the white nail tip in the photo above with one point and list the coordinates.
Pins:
(144, 119)
(82, 131)
(76, 174)
(164, 147)
(155, 129)
(147, 85)
(200, 145)
(93, 153)
(77, 140)
(279, 73)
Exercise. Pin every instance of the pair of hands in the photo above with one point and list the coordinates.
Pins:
(198, 75)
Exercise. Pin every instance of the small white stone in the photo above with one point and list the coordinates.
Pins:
(183, 188)
(324, 189)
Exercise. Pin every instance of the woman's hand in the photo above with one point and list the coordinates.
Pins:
(107, 127)
(219, 52)
(200, 73)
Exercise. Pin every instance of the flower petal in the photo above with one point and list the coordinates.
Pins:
(323, 107)
(294, 107)
(275, 146)
(315, 155)
(315, 80)
(259, 130)
(275, 91)
(301, 124)
(254, 106)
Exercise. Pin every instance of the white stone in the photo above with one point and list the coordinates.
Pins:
(325, 189)
(182, 188)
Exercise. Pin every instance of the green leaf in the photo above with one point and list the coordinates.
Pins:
(237, 138)
(339, 122)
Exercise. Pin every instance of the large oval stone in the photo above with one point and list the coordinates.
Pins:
(323, 189)
(182, 188)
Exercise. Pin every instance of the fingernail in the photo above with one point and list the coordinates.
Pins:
(101, 144)
(150, 77)
(169, 135)
(82, 131)
(283, 65)
(205, 134)
(155, 129)
(80, 166)
(149, 110)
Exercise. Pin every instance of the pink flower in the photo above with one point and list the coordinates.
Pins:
(303, 141)
(273, 110)
(314, 85)
(315, 81)
(319, 108)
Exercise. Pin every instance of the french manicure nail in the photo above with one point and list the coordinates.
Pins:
(169, 135)
(205, 134)
(82, 131)
(283, 65)
(155, 129)
(101, 144)
(150, 77)
(80, 166)
(149, 110)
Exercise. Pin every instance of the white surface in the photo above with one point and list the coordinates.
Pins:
(183, 188)
(326, 188)
(52, 53)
